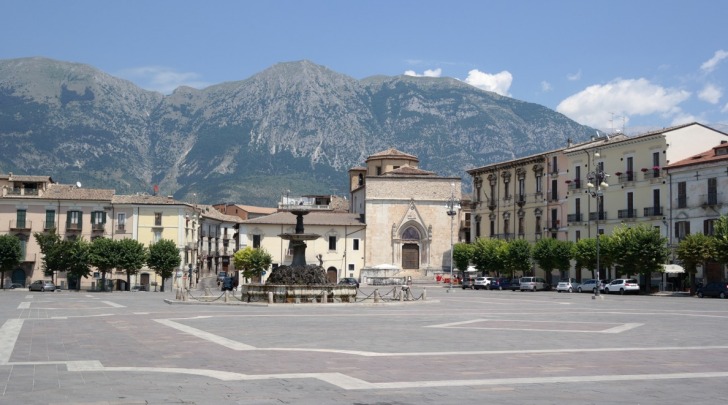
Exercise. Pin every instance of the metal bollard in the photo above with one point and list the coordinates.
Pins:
(325, 297)
(376, 295)
(424, 294)
(270, 297)
(402, 292)
(226, 295)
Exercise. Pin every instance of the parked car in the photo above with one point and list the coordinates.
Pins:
(622, 286)
(513, 284)
(533, 284)
(42, 285)
(349, 281)
(483, 283)
(468, 283)
(568, 285)
(714, 289)
(14, 286)
(221, 276)
(589, 285)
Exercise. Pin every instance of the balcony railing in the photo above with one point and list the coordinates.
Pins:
(575, 184)
(621, 214)
(30, 257)
(554, 226)
(653, 211)
(504, 236)
(652, 174)
(625, 177)
(553, 197)
(20, 225)
(48, 225)
(98, 227)
(520, 199)
(73, 227)
(121, 228)
(602, 216)
(573, 218)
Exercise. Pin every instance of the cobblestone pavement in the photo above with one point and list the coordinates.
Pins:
(460, 346)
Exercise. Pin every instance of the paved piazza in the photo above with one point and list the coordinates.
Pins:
(485, 347)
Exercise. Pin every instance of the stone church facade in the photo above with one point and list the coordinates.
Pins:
(406, 213)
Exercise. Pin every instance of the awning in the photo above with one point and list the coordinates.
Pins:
(673, 268)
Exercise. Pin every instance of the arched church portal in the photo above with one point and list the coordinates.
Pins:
(411, 248)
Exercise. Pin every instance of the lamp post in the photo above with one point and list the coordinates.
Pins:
(598, 177)
(451, 213)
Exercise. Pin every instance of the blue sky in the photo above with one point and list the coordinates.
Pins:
(637, 64)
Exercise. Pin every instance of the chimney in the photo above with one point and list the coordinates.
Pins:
(569, 143)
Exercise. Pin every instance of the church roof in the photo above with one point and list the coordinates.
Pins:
(392, 153)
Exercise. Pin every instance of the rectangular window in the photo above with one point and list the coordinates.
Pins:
(682, 229)
(98, 217)
(554, 190)
(577, 177)
(539, 187)
(73, 220)
(709, 227)
(256, 241)
(521, 230)
(554, 219)
(682, 195)
(630, 169)
(332, 242)
(50, 219)
(492, 228)
(538, 224)
(157, 219)
(20, 219)
(577, 208)
(121, 221)
(521, 189)
(356, 244)
(554, 166)
(712, 191)
(577, 236)
(157, 235)
(655, 159)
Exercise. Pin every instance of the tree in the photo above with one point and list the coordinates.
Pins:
(48, 242)
(551, 254)
(71, 255)
(253, 262)
(10, 255)
(461, 254)
(104, 255)
(694, 250)
(642, 250)
(517, 256)
(132, 257)
(584, 252)
(720, 233)
(163, 259)
(487, 255)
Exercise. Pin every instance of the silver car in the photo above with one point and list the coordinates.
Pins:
(42, 285)
(533, 284)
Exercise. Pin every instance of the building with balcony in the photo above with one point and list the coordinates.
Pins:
(218, 240)
(698, 196)
(638, 189)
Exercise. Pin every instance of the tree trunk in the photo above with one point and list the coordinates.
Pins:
(128, 281)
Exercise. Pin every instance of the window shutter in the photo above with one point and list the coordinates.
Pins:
(80, 219)
(103, 217)
(687, 228)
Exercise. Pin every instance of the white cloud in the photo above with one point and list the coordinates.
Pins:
(162, 79)
(710, 94)
(596, 105)
(497, 83)
(546, 86)
(428, 73)
(574, 76)
(725, 108)
(712, 63)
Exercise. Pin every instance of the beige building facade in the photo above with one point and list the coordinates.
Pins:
(406, 212)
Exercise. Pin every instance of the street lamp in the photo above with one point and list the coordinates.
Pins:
(451, 213)
(597, 177)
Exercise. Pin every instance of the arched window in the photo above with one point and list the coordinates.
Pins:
(411, 234)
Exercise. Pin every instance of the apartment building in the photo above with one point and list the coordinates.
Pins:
(635, 188)
(697, 197)
(218, 240)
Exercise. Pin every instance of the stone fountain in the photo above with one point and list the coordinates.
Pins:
(299, 282)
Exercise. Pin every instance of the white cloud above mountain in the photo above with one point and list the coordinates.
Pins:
(162, 79)
(498, 83)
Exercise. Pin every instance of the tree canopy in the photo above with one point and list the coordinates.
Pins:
(104, 255)
(641, 250)
(461, 255)
(10, 255)
(253, 262)
(163, 259)
(551, 254)
(488, 255)
(132, 257)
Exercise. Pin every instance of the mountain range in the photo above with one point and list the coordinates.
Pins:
(295, 127)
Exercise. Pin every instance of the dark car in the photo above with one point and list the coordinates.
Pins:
(514, 284)
(714, 289)
(349, 281)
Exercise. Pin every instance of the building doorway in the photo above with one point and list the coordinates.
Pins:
(410, 256)
(18, 276)
(332, 275)
(144, 280)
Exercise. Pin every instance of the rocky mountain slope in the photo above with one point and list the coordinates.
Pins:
(295, 126)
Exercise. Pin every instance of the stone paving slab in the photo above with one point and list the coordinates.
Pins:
(465, 346)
